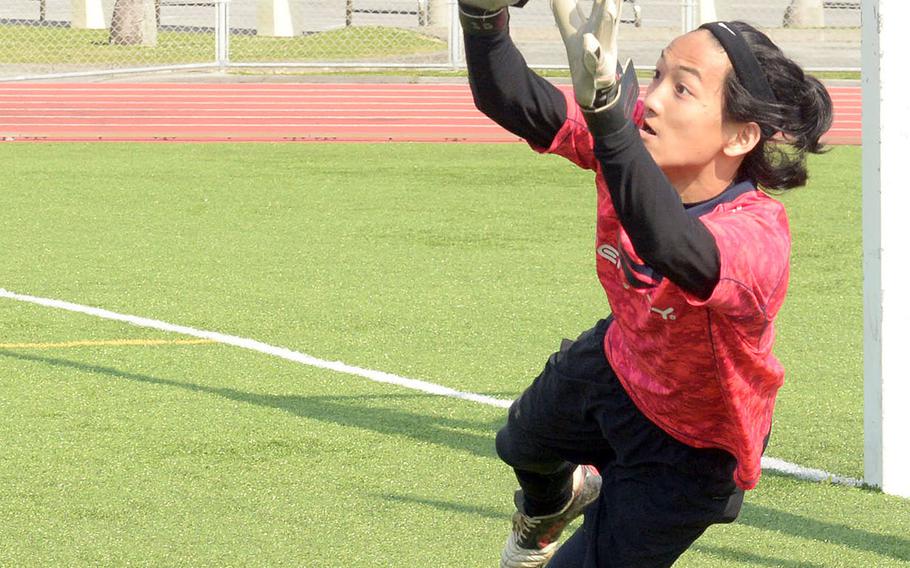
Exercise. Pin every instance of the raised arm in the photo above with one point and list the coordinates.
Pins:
(669, 239)
(504, 88)
(665, 236)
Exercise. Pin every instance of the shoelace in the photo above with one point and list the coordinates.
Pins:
(525, 525)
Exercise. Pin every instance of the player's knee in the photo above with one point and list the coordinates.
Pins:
(505, 447)
(515, 448)
(518, 450)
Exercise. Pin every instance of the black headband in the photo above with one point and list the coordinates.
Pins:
(744, 63)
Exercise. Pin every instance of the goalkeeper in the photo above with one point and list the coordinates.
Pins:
(670, 398)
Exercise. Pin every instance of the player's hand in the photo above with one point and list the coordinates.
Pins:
(592, 48)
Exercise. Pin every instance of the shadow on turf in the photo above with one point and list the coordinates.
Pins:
(477, 438)
(474, 510)
(752, 559)
(474, 437)
(731, 554)
(766, 518)
(756, 516)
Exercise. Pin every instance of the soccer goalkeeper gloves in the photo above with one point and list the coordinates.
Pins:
(592, 48)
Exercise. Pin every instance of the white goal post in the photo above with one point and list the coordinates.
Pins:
(886, 244)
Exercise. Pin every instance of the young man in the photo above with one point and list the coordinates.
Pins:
(670, 398)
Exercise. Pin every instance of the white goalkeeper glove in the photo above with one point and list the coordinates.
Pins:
(592, 49)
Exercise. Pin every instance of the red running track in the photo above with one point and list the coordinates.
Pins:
(277, 112)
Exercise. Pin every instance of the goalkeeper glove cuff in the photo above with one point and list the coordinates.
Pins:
(614, 105)
(477, 21)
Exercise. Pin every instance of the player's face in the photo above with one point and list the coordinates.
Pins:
(683, 127)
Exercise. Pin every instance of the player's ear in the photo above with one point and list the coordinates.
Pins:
(740, 138)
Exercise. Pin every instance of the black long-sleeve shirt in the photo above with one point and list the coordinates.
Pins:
(667, 236)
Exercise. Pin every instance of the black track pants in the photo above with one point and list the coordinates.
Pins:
(658, 494)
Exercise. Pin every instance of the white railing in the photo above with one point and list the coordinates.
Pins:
(55, 38)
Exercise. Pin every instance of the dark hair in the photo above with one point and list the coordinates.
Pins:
(791, 127)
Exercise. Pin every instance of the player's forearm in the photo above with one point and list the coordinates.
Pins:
(508, 92)
(664, 235)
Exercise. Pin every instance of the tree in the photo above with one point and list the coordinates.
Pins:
(134, 22)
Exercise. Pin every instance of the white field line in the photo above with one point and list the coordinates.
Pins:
(252, 344)
(768, 463)
(806, 473)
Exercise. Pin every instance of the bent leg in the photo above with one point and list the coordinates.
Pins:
(552, 426)
(545, 478)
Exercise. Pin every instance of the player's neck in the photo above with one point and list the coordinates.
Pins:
(695, 186)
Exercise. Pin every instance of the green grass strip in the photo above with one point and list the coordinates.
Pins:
(20, 44)
(396, 257)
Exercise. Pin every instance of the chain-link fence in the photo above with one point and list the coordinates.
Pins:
(341, 32)
(821, 35)
(39, 37)
(42, 37)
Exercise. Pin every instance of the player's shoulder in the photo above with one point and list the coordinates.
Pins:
(753, 238)
(753, 221)
(755, 199)
(754, 206)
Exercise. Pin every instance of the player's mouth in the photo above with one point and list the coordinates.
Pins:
(646, 128)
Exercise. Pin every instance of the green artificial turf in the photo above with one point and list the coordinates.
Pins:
(21, 44)
(458, 264)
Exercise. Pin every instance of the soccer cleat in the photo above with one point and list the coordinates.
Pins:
(533, 540)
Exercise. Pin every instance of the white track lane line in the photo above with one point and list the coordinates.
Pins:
(768, 464)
